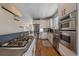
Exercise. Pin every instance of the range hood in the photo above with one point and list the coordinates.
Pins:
(12, 9)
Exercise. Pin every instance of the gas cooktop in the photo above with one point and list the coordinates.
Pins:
(18, 42)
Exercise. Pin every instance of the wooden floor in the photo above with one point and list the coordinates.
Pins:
(45, 51)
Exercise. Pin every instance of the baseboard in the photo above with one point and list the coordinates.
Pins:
(57, 51)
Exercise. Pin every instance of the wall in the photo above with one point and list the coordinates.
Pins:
(28, 25)
(78, 31)
(36, 21)
(44, 23)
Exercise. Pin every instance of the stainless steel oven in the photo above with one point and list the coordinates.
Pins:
(69, 21)
(68, 38)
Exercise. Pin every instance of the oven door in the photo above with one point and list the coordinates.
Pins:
(68, 39)
(68, 24)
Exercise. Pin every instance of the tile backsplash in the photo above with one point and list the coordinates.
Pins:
(7, 37)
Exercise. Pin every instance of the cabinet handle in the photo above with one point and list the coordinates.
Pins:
(64, 11)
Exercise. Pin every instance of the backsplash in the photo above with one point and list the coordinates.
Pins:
(7, 37)
(47, 30)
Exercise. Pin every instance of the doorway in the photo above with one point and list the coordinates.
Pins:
(36, 29)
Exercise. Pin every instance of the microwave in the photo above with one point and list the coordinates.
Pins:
(69, 22)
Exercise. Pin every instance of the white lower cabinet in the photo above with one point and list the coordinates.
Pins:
(31, 49)
(50, 38)
(65, 51)
(44, 35)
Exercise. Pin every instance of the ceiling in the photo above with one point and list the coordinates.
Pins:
(36, 10)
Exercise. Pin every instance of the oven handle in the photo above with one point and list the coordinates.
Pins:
(69, 16)
(66, 17)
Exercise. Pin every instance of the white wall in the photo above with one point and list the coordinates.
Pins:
(36, 21)
(78, 31)
(28, 25)
(44, 23)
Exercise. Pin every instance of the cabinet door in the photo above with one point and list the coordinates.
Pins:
(50, 38)
(69, 7)
(31, 49)
(66, 8)
(60, 10)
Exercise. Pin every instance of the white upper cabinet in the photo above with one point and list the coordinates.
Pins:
(66, 8)
(8, 24)
(56, 22)
(12, 8)
(51, 23)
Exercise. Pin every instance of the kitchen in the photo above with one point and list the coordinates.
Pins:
(27, 29)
